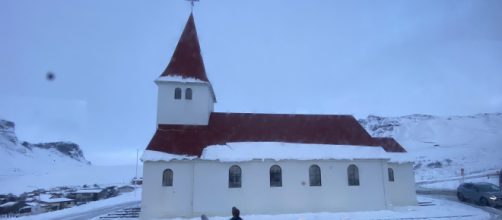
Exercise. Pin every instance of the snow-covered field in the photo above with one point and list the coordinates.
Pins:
(68, 176)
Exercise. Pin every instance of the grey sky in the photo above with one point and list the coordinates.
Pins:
(387, 58)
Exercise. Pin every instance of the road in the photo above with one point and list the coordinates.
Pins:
(97, 212)
(450, 195)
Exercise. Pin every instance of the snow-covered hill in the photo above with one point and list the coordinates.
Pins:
(26, 157)
(26, 167)
(23, 158)
(441, 146)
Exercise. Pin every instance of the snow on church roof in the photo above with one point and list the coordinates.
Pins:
(247, 151)
(179, 78)
(285, 151)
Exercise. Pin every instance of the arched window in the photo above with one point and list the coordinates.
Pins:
(188, 94)
(315, 175)
(167, 177)
(234, 177)
(391, 174)
(177, 93)
(353, 175)
(275, 176)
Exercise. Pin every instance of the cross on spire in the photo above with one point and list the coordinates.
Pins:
(192, 3)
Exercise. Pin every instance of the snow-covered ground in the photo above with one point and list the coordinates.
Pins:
(430, 208)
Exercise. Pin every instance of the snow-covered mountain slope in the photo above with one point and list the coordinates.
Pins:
(23, 158)
(26, 167)
(441, 146)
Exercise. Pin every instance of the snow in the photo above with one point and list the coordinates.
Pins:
(29, 180)
(246, 151)
(435, 209)
(7, 204)
(88, 191)
(453, 184)
(25, 170)
(47, 199)
(179, 79)
(441, 146)
(150, 155)
(89, 207)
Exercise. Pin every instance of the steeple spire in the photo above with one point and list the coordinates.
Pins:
(186, 60)
(192, 4)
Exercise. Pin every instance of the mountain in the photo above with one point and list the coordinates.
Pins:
(441, 146)
(27, 158)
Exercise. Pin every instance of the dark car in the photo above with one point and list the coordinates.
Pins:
(480, 193)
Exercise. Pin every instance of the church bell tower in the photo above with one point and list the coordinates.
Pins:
(185, 94)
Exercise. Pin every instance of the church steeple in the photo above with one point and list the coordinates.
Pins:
(185, 95)
(186, 60)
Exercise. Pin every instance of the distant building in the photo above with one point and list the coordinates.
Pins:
(124, 189)
(31, 208)
(137, 181)
(205, 162)
(52, 203)
(87, 195)
(11, 207)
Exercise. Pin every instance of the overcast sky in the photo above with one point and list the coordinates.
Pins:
(390, 58)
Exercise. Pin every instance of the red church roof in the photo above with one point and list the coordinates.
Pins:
(244, 127)
(186, 60)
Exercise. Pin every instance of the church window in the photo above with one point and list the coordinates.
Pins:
(353, 175)
(234, 177)
(177, 93)
(188, 94)
(275, 176)
(315, 175)
(167, 177)
(391, 174)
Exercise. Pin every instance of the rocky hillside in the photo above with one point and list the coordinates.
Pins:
(69, 149)
(441, 146)
(23, 158)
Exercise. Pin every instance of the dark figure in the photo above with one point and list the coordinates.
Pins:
(203, 217)
(235, 214)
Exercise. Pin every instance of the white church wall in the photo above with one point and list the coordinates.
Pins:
(402, 191)
(201, 187)
(182, 111)
(165, 201)
(212, 196)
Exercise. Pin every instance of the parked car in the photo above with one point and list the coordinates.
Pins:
(481, 193)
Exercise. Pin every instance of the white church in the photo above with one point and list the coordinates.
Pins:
(205, 162)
